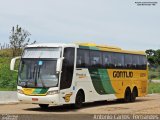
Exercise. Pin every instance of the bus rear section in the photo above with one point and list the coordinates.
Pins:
(111, 73)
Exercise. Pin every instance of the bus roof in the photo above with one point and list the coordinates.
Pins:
(108, 48)
(88, 46)
(52, 45)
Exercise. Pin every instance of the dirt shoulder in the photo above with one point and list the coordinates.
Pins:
(143, 105)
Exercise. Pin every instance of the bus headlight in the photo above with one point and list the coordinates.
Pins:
(52, 92)
(20, 91)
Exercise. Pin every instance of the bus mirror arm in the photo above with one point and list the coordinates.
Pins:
(59, 65)
(12, 64)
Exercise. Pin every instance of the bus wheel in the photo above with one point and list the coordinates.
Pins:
(43, 106)
(134, 95)
(79, 100)
(127, 97)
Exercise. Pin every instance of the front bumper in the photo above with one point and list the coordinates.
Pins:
(48, 99)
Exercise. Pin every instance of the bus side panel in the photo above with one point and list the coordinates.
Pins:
(121, 79)
(101, 84)
(91, 83)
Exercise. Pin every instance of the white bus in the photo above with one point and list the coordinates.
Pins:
(58, 74)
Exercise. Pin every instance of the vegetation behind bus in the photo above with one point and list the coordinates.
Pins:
(153, 88)
(7, 78)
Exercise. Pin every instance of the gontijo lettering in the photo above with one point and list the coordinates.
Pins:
(122, 74)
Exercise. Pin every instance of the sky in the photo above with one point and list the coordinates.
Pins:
(112, 22)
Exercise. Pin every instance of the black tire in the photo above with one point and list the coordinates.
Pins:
(79, 100)
(127, 96)
(120, 100)
(133, 95)
(43, 106)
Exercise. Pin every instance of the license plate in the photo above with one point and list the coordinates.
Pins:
(34, 99)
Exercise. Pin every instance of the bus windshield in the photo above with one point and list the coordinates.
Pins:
(38, 67)
(38, 73)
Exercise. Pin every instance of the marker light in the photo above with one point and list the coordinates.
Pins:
(52, 92)
(20, 91)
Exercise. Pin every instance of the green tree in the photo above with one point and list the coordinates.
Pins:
(150, 52)
(151, 56)
(19, 38)
(157, 57)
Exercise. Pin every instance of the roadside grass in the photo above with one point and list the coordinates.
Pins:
(8, 89)
(154, 73)
(153, 88)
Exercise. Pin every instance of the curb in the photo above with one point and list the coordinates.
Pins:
(155, 81)
(9, 103)
(8, 97)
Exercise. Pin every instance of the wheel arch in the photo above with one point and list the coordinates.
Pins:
(82, 91)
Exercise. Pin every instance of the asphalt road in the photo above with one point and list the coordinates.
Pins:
(149, 104)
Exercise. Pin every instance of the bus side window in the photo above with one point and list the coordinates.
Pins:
(143, 62)
(113, 60)
(128, 61)
(135, 61)
(96, 58)
(107, 62)
(82, 58)
(118, 60)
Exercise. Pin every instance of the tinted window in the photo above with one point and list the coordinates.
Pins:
(118, 60)
(127, 61)
(95, 59)
(135, 61)
(107, 60)
(82, 58)
(112, 60)
(143, 62)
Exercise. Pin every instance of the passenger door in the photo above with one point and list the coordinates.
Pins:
(67, 75)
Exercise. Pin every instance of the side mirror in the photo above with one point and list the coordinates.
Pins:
(59, 65)
(12, 64)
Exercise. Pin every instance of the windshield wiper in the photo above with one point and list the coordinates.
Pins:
(35, 74)
(39, 77)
